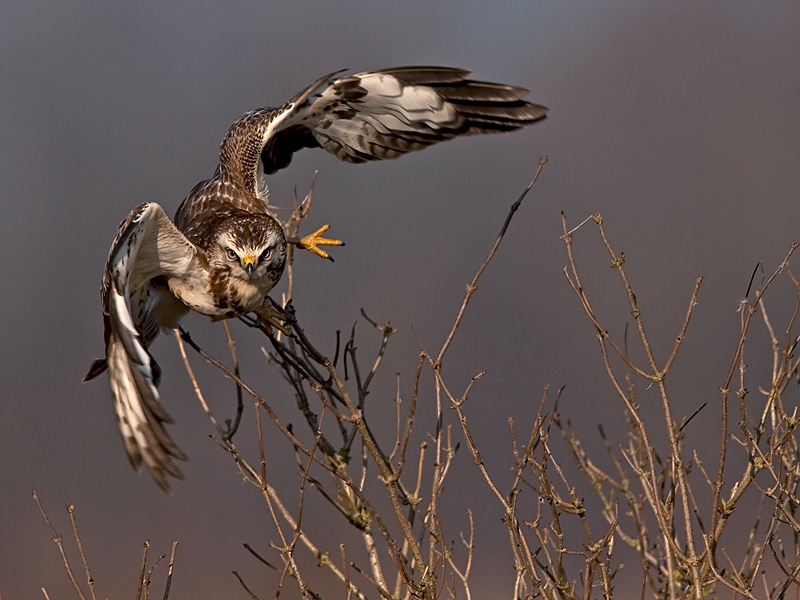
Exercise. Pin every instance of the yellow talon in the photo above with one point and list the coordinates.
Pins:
(272, 317)
(312, 240)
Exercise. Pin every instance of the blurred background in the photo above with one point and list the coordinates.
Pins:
(679, 122)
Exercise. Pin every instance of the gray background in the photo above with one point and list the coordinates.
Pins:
(678, 121)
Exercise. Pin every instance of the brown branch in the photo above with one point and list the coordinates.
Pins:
(473, 285)
(58, 541)
(244, 585)
(169, 569)
(89, 580)
(721, 511)
(233, 427)
(143, 571)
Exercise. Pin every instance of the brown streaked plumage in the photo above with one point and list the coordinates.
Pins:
(224, 252)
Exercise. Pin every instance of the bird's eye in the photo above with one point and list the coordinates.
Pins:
(265, 255)
(232, 254)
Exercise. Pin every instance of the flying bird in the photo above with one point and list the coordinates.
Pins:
(224, 251)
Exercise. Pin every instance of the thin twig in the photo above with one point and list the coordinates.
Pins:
(58, 541)
(89, 580)
(234, 427)
(244, 585)
(145, 547)
(169, 569)
(473, 285)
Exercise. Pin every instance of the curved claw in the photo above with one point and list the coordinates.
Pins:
(272, 317)
(312, 240)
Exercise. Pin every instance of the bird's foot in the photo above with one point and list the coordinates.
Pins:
(271, 316)
(313, 240)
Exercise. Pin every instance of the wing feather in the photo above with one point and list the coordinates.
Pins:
(373, 116)
(147, 247)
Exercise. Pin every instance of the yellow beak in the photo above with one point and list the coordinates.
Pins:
(249, 263)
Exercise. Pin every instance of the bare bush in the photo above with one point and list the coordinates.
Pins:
(570, 521)
(145, 575)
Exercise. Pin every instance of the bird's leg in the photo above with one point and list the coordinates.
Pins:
(312, 240)
(271, 316)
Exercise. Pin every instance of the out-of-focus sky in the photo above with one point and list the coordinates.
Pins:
(678, 121)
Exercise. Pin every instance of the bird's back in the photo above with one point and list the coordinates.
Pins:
(212, 200)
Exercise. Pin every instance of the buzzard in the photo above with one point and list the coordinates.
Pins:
(224, 251)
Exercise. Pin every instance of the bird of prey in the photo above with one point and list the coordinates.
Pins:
(224, 251)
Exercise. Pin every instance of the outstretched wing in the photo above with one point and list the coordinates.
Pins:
(136, 304)
(374, 116)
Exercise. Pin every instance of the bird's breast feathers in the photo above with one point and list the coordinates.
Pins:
(219, 296)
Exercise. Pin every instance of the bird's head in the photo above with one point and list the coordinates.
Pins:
(253, 248)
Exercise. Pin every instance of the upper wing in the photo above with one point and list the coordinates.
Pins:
(135, 305)
(374, 116)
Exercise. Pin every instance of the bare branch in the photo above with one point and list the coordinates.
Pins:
(58, 541)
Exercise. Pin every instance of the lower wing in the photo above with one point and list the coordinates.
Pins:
(146, 249)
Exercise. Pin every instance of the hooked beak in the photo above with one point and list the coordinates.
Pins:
(249, 264)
